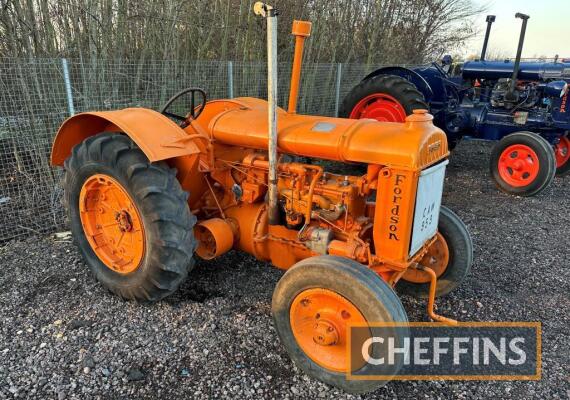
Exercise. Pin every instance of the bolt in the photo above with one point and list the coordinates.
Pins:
(305, 302)
(345, 314)
(101, 210)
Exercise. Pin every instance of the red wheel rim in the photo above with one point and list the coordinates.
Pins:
(518, 165)
(562, 151)
(381, 107)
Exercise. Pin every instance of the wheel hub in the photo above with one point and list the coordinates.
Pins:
(436, 258)
(518, 165)
(320, 319)
(124, 221)
(325, 334)
(381, 107)
(112, 224)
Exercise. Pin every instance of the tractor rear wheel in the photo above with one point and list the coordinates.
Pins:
(129, 218)
(562, 153)
(316, 302)
(387, 98)
(523, 164)
(450, 257)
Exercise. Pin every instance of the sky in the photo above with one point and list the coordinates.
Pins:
(547, 34)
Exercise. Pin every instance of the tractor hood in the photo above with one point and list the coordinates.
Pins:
(534, 71)
(243, 122)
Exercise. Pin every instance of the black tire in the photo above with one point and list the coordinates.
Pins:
(546, 161)
(460, 247)
(452, 144)
(409, 97)
(564, 169)
(162, 205)
(374, 298)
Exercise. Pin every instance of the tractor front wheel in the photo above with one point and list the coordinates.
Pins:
(316, 302)
(450, 257)
(562, 153)
(129, 218)
(523, 164)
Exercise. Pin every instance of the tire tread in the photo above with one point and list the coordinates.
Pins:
(154, 187)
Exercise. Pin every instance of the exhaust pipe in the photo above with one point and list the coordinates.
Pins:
(510, 95)
(270, 14)
(301, 31)
(490, 19)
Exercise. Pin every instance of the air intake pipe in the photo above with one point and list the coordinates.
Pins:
(490, 19)
(510, 95)
(301, 31)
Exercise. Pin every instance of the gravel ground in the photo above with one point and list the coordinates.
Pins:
(64, 336)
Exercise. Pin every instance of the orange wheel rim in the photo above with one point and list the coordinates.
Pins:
(320, 319)
(112, 223)
(518, 165)
(436, 258)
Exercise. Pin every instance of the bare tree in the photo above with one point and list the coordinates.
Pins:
(370, 31)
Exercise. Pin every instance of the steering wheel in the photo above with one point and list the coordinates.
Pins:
(440, 69)
(195, 111)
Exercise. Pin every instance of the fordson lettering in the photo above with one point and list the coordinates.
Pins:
(434, 146)
(395, 210)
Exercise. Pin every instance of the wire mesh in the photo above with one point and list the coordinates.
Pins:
(34, 103)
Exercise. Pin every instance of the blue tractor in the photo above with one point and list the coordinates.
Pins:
(522, 105)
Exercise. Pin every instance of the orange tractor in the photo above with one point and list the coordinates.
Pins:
(144, 193)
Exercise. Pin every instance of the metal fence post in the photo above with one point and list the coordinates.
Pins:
(337, 91)
(70, 106)
(230, 79)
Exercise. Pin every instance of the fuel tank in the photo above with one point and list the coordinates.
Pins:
(534, 71)
(243, 122)
(504, 69)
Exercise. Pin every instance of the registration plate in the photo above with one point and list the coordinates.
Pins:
(428, 203)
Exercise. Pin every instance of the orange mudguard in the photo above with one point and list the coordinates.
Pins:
(156, 135)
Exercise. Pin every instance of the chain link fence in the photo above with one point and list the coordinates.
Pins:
(36, 95)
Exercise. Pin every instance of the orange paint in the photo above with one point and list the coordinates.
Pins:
(243, 122)
(215, 237)
(221, 161)
(436, 258)
(112, 223)
(320, 319)
(228, 144)
(431, 297)
(301, 31)
(157, 136)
